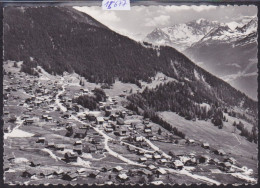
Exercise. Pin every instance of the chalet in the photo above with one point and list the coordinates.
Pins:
(100, 120)
(96, 140)
(60, 147)
(145, 172)
(70, 176)
(49, 144)
(163, 161)
(226, 166)
(41, 140)
(122, 131)
(27, 174)
(94, 174)
(91, 117)
(49, 118)
(122, 177)
(139, 138)
(28, 121)
(58, 172)
(146, 121)
(109, 128)
(148, 126)
(160, 171)
(142, 159)
(80, 133)
(147, 130)
(70, 157)
(214, 161)
(123, 114)
(205, 145)
(140, 152)
(44, 117)
(89, 148)
(130, 113)
(156, 156)
(117, 169)
(151, 167)
(78, 142)
(32, 164)
(120, 121)
(148, 156)
(230, 160)
(220, 152)
(190, 141)
(181, 141)
(6, 112)
(77, 149)
(130, 148)
(177, 164)
(46, 173)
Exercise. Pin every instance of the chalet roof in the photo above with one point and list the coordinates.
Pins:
(178, 163)
(123, 176)
(152, 167)
(100, 119)
(118, 168)
(161, 171)
(80, 131)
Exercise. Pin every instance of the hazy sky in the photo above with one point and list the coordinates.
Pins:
(141, 20)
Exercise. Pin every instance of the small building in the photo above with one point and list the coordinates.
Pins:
(160, 171)
(120, 121)
(151, 167)
(177, 164)
(41, 140)
(78, 142)
(94, 174)
(70, 157)
(77, 149)
(89, 148)
(70, 176)
(28, 121)
(117, 169)
(190, 141)
(59, 147)
(142, 159)
(214, 161)
(100, 120)
(220, 152)
(122, 177)
(205, 145)
(80, 133)
(156, 156)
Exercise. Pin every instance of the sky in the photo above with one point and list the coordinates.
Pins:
(141, 20)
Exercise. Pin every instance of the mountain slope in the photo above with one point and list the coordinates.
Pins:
(62, 39)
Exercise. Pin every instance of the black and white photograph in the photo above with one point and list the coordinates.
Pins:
(158, 94)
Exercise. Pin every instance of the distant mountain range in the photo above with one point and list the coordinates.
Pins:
(228, 50)
(61, 39)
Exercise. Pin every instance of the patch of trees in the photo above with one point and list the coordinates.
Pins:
(86, 101)
(250, 136)
(182, 98)
(29, 69)
(91, 102)
(100, 94)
